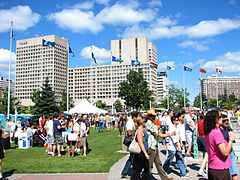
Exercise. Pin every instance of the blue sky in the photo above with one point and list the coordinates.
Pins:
(190, 32)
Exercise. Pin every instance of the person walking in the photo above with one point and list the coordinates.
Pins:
(189, 128)
(140, 160)
(153, 152)
(218, 149)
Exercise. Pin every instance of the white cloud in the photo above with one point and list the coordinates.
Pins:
(84, 5)
(175, 83)
(229, 62)
(189, 64)
(22, 17)
(4, 61)
(163, 66)
(155, 3)
(105, 2)
(124, 15)
(76, 20)
(232, 1)
(203, 29)
(102, 55)
(194, 44)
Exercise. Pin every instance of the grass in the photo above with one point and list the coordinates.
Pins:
(34, 160)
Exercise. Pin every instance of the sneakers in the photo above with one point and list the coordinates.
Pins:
(201, 173)
(78, 150)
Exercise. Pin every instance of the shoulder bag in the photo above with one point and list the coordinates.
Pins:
(134, 146)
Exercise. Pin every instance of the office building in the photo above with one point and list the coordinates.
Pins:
(36, 61)
(162, 83)
(100, 82)
(4, 82)
(213, 85)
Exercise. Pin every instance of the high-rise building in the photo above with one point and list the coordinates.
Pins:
(162, 83)
(100, 82)
(213, 85)
(4, 82)
(35, 62)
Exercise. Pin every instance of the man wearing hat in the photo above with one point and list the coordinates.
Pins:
(153, 132)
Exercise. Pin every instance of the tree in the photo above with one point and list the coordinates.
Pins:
(197, 102)
(63, 102)
(135, 91)
(118, 105)
(14, 103)
(176, 98)
(212, 103)
(102, 105)
(45, 101)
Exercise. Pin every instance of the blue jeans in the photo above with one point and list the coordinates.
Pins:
(127, 170)
(233, 168)
(164, 129)
(101, 126)
(179, 160)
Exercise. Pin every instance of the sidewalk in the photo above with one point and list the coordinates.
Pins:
(193, 166)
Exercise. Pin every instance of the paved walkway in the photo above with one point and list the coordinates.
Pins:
(115, 172)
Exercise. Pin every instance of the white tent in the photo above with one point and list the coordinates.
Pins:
(85, 107)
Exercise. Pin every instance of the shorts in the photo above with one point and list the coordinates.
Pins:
(201, 144)
(50, 139)
(189, 138)
(219, 174)
(69, 143)
(233, 169)
(83, 141)
(107, 124)
(58, 140)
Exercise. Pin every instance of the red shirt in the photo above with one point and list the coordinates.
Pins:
(200, 128)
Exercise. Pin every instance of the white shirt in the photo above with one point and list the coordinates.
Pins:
(50, 127)
(168, 122)
(163, 121)
(181, 131)
(83, 129)
(187, 118)
(130, 125)
(76, 128)
(175, 138)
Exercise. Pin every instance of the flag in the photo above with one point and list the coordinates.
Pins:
(12, 35)
(218, 71)
(94, 58)
(114, 59)
(48, 43)
(187, 69)
(71, 51)
(135, 63)
(153, 65)
(36, 35)
(202, 70)
(170, 68)
(119, 60)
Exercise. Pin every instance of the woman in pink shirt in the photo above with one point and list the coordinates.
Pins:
(217, 147)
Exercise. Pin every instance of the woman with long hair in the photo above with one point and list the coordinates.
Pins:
(141, 160)
(217, 147)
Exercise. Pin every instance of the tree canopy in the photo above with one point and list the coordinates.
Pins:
(135, 91)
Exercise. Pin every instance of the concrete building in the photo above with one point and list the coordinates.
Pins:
(35, 62)
(162, 83)
(4, 84)
(95, 82)
(213, 85)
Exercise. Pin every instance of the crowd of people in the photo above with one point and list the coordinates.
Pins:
(214, 139)
(175, 128)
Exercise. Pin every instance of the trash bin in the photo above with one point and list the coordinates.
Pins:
(24, 141)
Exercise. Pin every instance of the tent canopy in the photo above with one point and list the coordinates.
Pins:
(85, 107)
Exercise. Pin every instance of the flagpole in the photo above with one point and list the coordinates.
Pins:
(68, 83)
(9, 71)
(91, 97)
(167, 89)
(217, 89)
(112, 83)
(150, 85)
(200, 89)
(42, 65)
(184, 87)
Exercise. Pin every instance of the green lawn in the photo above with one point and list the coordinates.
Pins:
(34, 160)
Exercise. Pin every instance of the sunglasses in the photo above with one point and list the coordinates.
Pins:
(225, 120)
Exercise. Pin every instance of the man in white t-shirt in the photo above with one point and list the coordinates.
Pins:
(82, 137)
(174, 149)
(50, 137)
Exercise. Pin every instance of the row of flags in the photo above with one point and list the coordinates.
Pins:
(185, 68)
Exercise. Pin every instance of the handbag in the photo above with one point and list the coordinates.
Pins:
(73, 137)
(127, 140)
(134, 146)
